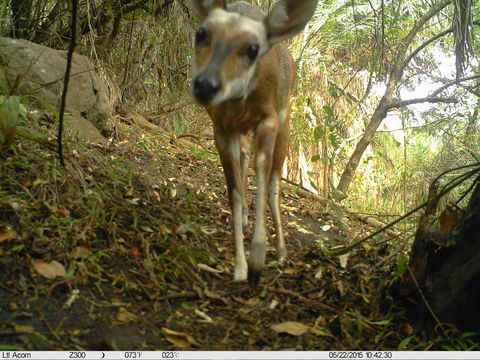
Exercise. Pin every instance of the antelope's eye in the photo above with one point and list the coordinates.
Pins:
(201, 35)
(252, 51)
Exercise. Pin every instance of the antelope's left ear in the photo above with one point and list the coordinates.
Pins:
(203, 7)
(288, 18)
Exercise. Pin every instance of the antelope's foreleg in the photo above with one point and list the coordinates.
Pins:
(274, 188)
(229, 149)
(245, 161)
(265, 143)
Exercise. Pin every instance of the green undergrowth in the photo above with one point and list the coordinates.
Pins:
(109, 206)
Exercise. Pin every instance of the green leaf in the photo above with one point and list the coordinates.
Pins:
(70, 274)
(328, 111)
(381, 322)
(332, 91)
(401, 266)
(10, 347)
(403, 344)
(324, 159)
(318, 133)
(315, 158)
(18, 247)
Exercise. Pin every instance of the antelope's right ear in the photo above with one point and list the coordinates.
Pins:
(288, 18)
(203, 7)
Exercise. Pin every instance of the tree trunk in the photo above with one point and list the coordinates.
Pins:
(352, 165)
(394, 79)
(445, 265)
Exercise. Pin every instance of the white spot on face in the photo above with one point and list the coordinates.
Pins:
(219, 15)
(242, 24)
(236, 87)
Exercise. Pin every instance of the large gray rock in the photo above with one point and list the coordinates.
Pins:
(39, 72)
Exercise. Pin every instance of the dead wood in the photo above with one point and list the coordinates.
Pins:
(445, 263)
(368, 220)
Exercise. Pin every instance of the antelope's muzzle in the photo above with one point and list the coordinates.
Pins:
(205, 88)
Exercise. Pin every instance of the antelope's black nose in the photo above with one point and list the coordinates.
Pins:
(205, 88)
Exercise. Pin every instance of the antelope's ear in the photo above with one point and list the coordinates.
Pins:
(288, 18)
(203, 7)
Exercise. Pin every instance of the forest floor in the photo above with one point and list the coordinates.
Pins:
(129, 248)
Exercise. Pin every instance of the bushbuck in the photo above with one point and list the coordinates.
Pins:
(244, 79)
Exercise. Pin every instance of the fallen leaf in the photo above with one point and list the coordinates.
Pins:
(204, 316)
(341, 288)
(73, 296)
(64, 213)
(80, 252)
(319, 332)
(59, 269)
(214, 296)
(326, 227)
(147, 229)
(344, 260)
(39, 182)
(184, 228)
(273, 304)
(164, 229)
(45, 269)
(209, 230)
(6, 235)
(291, 327)
(124, 316)
(179, 339)
(208, 269)
(156, 196)
(134, 253)
(24, 329)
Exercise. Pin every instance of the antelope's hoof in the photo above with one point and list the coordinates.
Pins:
(281, 255)
(240, 273)
(254, 276)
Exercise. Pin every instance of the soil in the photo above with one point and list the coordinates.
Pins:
(129, 248)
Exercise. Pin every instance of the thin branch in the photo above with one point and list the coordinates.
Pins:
(432, 123)
(403, 103)
(433, 97)
(429, 41)
(73, 42)
(426, 43)
(454, 82)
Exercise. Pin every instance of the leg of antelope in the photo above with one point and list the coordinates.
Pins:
(265, 142)
(245, 161)
(229, 148)
(274, 199)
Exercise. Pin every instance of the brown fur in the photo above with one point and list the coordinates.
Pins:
(245, 94)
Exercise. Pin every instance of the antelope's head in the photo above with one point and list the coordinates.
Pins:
(228, 45)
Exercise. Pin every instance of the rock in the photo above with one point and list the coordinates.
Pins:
(38, 72)
(78, 127)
